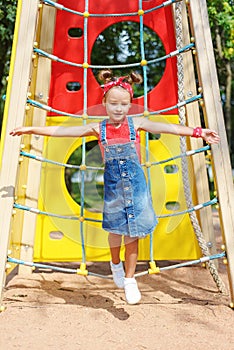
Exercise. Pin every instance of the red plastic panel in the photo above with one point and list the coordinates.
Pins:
(72, 49)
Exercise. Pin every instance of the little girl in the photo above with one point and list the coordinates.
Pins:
(128, 210)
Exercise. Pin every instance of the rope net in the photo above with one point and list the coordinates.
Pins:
(144, 65)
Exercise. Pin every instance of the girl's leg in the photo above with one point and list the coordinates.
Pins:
(115, 264)
(115, 244)
(131, 254)
(132, 293)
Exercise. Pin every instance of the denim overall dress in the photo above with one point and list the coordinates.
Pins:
(127, 202)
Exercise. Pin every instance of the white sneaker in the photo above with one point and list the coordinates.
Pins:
(118, 274)
(132, 293)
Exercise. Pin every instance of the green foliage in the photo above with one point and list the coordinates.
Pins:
(221, 16)
(120, 44)
(7, 22)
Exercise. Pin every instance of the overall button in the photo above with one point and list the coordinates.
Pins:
(119, 149)
(132, 145)
(131, 216)
(124, 174)
(129, 201)
(126, 188)
(107, 150)
(121, 162)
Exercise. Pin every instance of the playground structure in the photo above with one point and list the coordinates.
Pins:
(37, 95)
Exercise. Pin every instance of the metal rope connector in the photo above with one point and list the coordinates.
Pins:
(82, 270)
(153, 268)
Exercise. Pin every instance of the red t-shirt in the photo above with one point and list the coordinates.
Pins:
(119, 135)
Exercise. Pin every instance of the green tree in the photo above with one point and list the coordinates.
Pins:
(221, 16)
(7, 23)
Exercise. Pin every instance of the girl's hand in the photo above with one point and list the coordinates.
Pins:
(21, 131)
(210, 136)
(91, 129)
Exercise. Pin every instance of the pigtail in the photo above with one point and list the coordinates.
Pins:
(105, 76)
(134, 77)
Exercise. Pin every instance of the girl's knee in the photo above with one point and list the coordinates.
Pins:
(130, 240)
(113, 237)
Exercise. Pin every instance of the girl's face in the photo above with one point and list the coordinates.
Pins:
(117, 103)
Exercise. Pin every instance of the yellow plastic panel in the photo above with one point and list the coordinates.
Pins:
(173, 238)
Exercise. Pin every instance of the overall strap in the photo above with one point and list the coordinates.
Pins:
(132, 132)
(103, 132)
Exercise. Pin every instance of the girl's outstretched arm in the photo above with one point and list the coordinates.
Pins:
(210, 136)
(58, 131)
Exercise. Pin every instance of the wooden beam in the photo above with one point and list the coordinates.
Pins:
(14, 116)
(214, 119)
(193, 119)
(42, 69)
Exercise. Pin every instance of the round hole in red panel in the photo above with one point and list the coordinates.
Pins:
(73, 86)
(75, 32)
(120, 45)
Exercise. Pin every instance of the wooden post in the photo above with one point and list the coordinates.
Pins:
(214, 120)
(43, 74)
(198, 161)
(13, 116)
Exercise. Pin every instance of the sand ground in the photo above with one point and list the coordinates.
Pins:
(180, 309)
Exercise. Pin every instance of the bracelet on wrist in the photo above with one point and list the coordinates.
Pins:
(197, 132)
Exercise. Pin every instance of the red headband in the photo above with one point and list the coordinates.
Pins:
(118, 82)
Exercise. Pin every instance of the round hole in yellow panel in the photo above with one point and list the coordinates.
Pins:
(154, 137)
(56, 235)
(172, 205)
(86, 186)
(171, 169)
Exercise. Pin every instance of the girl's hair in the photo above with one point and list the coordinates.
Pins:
(107, 76)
